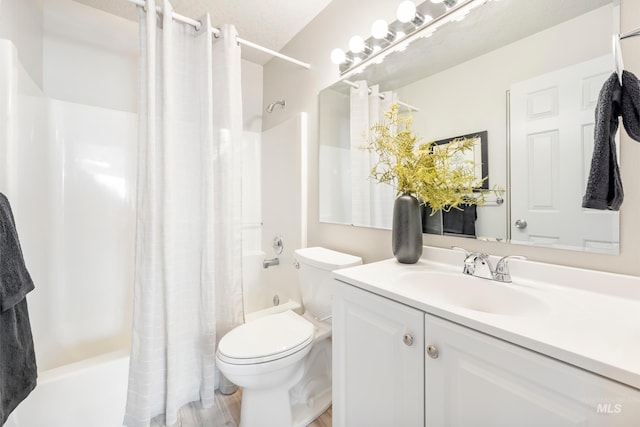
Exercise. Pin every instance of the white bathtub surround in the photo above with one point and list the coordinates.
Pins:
(284, 161)
(188, 254)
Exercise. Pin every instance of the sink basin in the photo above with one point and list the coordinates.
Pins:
(471, 293)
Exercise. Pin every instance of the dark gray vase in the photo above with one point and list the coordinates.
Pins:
(406, 234)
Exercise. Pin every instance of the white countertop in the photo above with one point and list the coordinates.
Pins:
(590, 319)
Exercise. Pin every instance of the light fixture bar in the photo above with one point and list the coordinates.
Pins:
(349, 69)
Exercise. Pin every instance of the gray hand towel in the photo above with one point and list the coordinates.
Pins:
(15, 281)
(604, 187)
(18, 370)
(461, 221)
(631, 105)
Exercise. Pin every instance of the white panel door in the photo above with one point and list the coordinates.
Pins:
(552, 122)
(478, 380)
(378, 361)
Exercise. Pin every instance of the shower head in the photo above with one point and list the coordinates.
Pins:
(283, 103)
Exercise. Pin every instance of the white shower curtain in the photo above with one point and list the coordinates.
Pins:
(371, 202)
(188, 289)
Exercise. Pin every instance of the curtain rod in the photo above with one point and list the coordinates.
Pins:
(631, 33)
(216, 32)
(381, 96)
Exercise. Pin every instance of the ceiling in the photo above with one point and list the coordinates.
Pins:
(269, 23)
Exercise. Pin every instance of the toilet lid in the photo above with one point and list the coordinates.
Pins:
(266, 338)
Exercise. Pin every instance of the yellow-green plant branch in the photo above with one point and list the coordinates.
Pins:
(424, 170)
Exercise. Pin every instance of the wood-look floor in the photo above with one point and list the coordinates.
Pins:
(225, 413)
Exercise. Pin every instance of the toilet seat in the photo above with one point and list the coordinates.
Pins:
(266, 339)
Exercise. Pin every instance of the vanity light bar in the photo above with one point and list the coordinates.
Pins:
(352, 62)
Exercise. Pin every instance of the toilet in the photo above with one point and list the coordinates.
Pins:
(283, 361)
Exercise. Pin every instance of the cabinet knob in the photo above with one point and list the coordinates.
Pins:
(432, 351)
(408, 340)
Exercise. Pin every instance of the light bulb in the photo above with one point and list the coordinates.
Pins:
(428, 18)
(436, 1)
(379, 29)
(406, 11)
(356, 44)
(338, 56)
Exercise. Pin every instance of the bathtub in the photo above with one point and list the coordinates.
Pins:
(91, 392)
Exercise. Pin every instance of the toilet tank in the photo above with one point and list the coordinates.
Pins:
(314, 273)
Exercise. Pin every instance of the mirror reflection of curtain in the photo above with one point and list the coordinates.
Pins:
(370, 201)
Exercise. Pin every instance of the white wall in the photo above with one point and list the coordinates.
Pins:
(21, 22)
(333, 28)
(330, 29)
(90, 57)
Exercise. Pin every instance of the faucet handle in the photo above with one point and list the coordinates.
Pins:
(469, 265)
(501, 273)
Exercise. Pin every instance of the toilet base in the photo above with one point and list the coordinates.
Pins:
(265, 407)
(311, 396)
(304, 415)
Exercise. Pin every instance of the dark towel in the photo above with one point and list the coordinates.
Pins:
(15, 281)
(604, 187)
(460, 221)
(18, 369)
(631, 105)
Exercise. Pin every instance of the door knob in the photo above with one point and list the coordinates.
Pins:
(432, 351)
(521, 224)
(408, 340)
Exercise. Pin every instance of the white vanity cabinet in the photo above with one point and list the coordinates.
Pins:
(455, 376)
(378, 361)
(473, 379)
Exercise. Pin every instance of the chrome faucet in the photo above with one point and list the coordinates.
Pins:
(471, 262)
(270, 262)
(499, 274)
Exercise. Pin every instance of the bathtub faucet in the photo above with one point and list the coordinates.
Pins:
(270, 262)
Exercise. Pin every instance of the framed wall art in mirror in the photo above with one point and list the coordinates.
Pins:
(479, 155)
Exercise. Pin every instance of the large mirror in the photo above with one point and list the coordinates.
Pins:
(526, 75)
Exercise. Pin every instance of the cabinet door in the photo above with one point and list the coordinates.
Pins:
(479, 380)
(378, 373)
